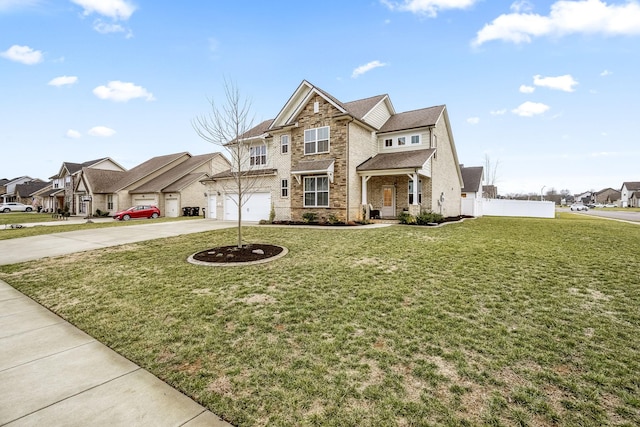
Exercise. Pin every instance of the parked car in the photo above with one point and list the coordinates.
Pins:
(579, 207)
(15, 207)
(141, 211)
(610, 205)
(598, 205)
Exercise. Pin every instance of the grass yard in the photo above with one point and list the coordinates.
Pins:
(495, 321)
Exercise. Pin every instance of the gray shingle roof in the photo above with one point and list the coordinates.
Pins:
(229, 174)
(632, 185)
(158, 184)
(145, 169)
(413, 119)
(312, 165)
(102, 181)
(361, 107)
(28, 188)
(472, 178)
(399, 160)
(257, 130)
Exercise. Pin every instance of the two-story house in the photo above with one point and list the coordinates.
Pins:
(344, 160)
(630, 194)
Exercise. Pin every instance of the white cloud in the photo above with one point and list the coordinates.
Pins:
(498, 112)
(527, 89)
(606, 73)
(564, 83)
(521, 6)
(427, 7)
(122, 92)
(62, 81)
(105, 28)
(23, 54)
(530, 109)
(473, 120)
(114, 9)
(214, 44)
(565, 17)
(101, 131)
(366, 68)
(73, 134)
(9, 5)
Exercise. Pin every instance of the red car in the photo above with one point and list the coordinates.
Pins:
(142, 211)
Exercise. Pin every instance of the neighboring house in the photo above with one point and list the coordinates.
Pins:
(471, 192)
(489, 192)
(627, 197)
(26, 193)
(584, 198)
(607, 195)
(169, 182)
(67, 179)
(9, 187)
(342, 160)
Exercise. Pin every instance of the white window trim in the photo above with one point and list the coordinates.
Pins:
(315, 141)
(304, 191)
(284, 144)
(415, 143)
(258, 155)
(284, 186)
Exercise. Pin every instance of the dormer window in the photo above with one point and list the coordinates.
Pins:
(388, 142)
(401, 140)
(415, 139)
(316, 140)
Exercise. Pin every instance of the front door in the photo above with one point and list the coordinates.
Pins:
(388, 201)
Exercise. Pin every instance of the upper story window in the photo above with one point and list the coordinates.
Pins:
(401, 140)
(415, 139)
(388, 142)
(316, 140)
(284, 144)
(258, 155)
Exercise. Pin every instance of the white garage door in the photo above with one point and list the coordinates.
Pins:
(256, 208)
(171, 208)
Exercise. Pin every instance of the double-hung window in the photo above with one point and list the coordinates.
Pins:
(316, 140)
(415, 139)
(284, 144)
(109, 201)
(258, 155)
(401, 140)
(284, 188)
(316, 191)
(411, 191)
(388, 142)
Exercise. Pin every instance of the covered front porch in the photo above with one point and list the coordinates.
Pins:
(392, 183)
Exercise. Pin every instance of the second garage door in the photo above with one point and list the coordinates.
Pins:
(256, 208)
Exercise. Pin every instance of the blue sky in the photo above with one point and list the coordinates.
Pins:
(548, 90)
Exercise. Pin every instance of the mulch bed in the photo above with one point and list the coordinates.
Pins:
(248, 253)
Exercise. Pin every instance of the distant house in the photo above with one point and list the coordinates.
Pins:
(63, 196)
(27, 193)
(629, 194)
(8, 188)
(345, 160)
(489, 192)
(471, 192)
(606, 195)
(169, 182)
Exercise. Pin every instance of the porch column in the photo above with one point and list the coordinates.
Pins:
(364, 189)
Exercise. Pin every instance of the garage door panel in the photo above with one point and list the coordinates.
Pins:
(255, 208)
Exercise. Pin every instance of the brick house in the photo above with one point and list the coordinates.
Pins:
(344, 160)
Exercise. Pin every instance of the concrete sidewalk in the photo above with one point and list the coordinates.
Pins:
(51, 373)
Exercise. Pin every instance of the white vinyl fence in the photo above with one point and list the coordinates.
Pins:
(526, 208)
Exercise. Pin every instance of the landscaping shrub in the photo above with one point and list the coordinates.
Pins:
(406, 218)
(427, 217)
(310, 217)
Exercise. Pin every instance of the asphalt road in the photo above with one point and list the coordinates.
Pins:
(633, 216)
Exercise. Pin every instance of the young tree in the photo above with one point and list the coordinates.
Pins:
(228, 127)
(490, 170)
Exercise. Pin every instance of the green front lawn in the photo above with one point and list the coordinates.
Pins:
(495, 321)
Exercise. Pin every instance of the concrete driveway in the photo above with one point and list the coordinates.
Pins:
(14, 251)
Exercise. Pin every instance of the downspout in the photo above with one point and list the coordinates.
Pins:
(348, 172)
